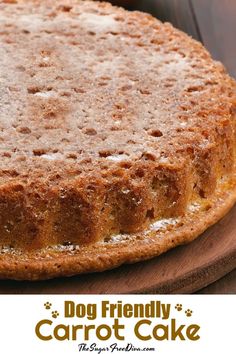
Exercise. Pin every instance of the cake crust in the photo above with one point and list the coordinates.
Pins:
(117, 137)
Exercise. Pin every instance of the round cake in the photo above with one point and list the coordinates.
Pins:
(117, 138)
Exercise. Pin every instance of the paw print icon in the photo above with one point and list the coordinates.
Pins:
(188, 313)
(55, 314)
(47, 305)
(179, 307)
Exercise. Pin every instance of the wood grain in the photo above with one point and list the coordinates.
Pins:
(217, 24)
(226, 285)
(185, 269)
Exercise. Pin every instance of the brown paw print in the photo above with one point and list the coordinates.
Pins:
(179, 307)
(55, 314)
(188, 313)
(47, 305)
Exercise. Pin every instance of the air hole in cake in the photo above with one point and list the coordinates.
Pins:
(115, 127)
(11, 173)
(39, 152)
(119, 18)
(71, 156)
(184, 108)
(190, 150)
(65, 94)
(104, 77)
(183, 55)
(126, 165)
(57, 176)
(33, 89)
(75, 43)
(210, 83)
(91, 33)
(65, 8)
(40, 92)
(90, 131)
(49, 115)
(45, 31)
(91, 187)
(113, 33)
(131, 142)
(44, 64)
(104, 167)
(148, 156)
(150, 213)
(13, 89)
(179, 130)
(144, 91)
(157, 41)
(6, 154)
(126, 88)
(65, 140)
(207, 207)
(24, 130)
(156, 133)
(102, 83)
(107, 239)
(194, 88)
(168, 85)
(67, 243)
(202, 193)
(140, 172)
(105, 153)
(79, 90)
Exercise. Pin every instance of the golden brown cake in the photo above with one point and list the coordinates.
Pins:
(117, 138)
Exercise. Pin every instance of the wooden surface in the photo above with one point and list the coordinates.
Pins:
(217, 23)
(225, 285)
(188, 268)
(185, 269)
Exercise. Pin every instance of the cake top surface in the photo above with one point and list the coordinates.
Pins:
(86, 87)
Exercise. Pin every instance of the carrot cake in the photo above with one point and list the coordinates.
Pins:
(117, 138)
